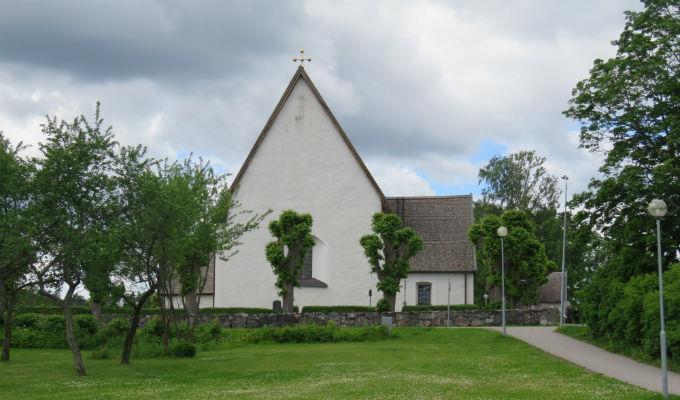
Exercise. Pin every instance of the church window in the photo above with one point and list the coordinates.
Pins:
(306, 272)
(424, 294)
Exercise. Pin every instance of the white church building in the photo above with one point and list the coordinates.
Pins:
(304, 161)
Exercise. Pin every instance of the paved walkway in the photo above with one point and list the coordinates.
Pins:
(594, 358)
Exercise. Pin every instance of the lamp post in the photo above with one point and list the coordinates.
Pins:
(657, 209)
(503, 232)
(563, 287)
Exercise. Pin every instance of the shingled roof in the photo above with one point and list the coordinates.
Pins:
(549, 292)
(443, 223)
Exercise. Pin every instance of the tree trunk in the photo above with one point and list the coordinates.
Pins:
(165, 339)
(7, 339)
(391, 299)
(134, 324)
(288, 299)
(191, 304)
(70, 332)
(96, 308)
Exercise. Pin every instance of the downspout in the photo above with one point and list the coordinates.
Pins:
(465, 294)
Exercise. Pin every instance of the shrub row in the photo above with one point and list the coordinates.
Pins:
(49, 310)
(38, 331)
(627, 314)
(454, 307)
(317, 334)
(106, 340)
(336, 309)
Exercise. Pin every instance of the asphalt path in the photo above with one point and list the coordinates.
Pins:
(594, 358)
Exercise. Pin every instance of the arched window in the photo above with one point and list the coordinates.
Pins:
(307, 263)
(307, 278)
(424, 293)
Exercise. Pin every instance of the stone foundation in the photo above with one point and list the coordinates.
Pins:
(535, 316)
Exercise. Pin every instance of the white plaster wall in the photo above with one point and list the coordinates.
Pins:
(303, 164)
(440, 287)
(206, 301)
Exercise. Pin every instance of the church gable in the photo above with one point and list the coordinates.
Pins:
(304, 117)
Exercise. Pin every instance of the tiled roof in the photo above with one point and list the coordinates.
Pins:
(549, 292)
(443, 223)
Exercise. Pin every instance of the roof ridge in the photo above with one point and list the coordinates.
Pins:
(301, 74)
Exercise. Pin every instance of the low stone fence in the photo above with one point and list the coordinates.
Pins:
(534, 316)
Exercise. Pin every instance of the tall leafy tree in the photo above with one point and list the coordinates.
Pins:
(18, 250)
(147, 222)
(293, 233)
(389, 249)
(629, 109)
(75, 187)
(526, 264)
(519, 181)
(211, 229)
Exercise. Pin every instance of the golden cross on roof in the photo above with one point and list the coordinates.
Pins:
(302, 58)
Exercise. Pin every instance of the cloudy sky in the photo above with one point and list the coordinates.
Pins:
(427, 91)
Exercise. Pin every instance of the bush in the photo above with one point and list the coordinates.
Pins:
(85, 325)
(153, 327)
(454, 307)
(208, 332)
(626, 315)
(317, 334)
(27, 320)
(183, 349)
(117, 327)
(28, 338)
(52, 310)
(382, 306)
(336, 309)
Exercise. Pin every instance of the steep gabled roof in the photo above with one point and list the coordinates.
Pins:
(301, 74)
(443, 223)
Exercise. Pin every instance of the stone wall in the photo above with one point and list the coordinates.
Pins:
(535, 316)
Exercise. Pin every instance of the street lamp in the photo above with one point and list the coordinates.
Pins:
(503, 232)
(657, 209)
(563, 288)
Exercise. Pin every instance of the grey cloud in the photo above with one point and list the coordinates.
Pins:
(412, 83)
(104, 40)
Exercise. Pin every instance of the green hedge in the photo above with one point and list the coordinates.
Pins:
(454, 307)
(80, 310)
(627, 314)
(39, 331)
(145, 311)
(317, 334)
(336, 309)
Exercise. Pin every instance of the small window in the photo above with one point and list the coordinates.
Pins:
(424, 294)
(306, 272)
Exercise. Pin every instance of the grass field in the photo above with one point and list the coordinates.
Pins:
(420, 364)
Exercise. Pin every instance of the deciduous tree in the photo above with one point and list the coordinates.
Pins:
(293, 233)
(526, 264)
(519, 181)
(18, 250)
(75, 187)
(389, 249)
(628, 108)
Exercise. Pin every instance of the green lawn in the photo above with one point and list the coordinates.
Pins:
(420, 364)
